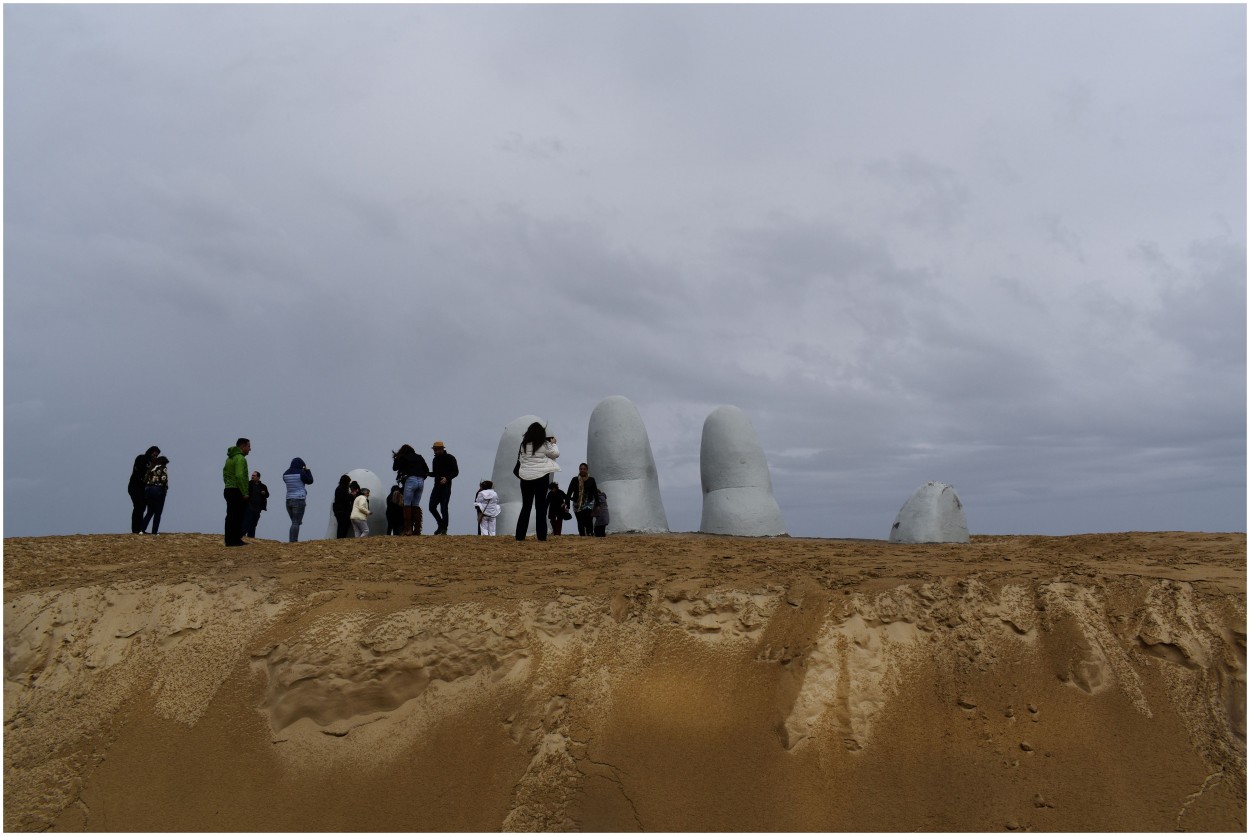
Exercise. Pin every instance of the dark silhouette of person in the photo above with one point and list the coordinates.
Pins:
(137, 486)
(442, 471)
(235, 476)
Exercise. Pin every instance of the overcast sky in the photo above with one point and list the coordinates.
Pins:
(1001, 247)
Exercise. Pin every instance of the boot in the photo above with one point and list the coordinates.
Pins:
(407, 529)
(416, 520)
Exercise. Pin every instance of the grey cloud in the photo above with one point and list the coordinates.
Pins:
(541, 148)
(339, 229)
(1072, 102)
(1202, 303)
(926, 194)
(1062, 237)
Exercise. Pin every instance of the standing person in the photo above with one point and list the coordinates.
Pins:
(487, 504)
(234, 474)
(361, 512)
(137, 486)
(155, 488)
(342, 507)
(257, 501)
(581, 495)
(297, 477)
(395, 510)
(557, 507)
(444, 470)
(601, 514)
(411, 471)
(536, 461)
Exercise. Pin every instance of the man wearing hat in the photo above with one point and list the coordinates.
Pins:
(443, 469)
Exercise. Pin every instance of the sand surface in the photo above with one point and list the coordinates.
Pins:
(674, 682)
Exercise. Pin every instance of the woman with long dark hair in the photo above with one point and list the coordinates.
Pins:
(411, 470)
(536, 461)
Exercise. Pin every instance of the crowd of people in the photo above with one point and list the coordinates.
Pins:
(247, 497)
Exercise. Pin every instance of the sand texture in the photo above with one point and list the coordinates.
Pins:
(663, 682)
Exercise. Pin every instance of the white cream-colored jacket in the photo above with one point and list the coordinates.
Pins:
(537, 464)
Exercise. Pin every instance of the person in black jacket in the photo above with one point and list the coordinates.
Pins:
(557, 507)
(411, 471)
(136, 487)
(342, 508)
(445, 469)
(257, 501)
(583, 496)
(395, 510)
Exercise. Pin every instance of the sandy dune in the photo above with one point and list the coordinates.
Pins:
(670, 682)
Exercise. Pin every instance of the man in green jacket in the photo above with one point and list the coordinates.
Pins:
(235, 476)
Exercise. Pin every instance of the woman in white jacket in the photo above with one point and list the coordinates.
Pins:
(361, 512)
(536, 461)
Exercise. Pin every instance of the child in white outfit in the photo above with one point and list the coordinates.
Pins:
(360, 513)
(487, 504)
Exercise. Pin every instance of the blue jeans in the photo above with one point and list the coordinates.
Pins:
(295, 510)
(250, 519)
(413, 486)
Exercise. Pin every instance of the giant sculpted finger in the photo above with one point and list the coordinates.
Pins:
(737, 489)
(618, 453)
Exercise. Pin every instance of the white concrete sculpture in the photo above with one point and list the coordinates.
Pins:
(377, 503)
(933, 514)
(737, 490)
(506, 484)
(618, 453)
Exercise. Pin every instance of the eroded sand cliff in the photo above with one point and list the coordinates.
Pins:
(669, 682)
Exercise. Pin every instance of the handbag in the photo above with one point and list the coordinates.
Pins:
(516, 468)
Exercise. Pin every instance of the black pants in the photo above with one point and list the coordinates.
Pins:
(343, 524)
(585, 522)
(236, 510)
(440, 496)
(533, 494)
(138, 498)
(250, 521)
(156, 503)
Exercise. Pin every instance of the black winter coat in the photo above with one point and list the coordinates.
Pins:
(258, 496)
(411, 465)
(342, 506)
(592, 492)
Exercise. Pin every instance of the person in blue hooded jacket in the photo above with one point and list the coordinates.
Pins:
(297, 478)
